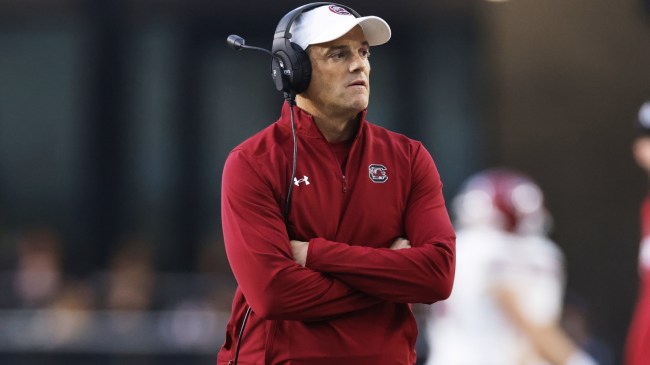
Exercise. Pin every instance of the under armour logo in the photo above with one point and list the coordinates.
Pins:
(304, 179)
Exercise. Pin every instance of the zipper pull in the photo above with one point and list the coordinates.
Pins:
(345, 184)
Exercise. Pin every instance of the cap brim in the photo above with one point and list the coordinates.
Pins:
(375, 29)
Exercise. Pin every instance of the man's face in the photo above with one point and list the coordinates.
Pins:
(340, 80)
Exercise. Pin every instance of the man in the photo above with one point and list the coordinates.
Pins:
(367, 231)
(637, 349)
(507, 298)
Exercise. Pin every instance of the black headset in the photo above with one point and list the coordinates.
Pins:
(290, 65)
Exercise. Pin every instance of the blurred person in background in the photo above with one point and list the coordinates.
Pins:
(61, 306)
(506, 302)
(38, 274)
(130, 293)
(637, 349)
(131, 277)
(67, 320)
(326, 276)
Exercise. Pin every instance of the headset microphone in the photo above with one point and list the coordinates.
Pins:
(279, 73)
(238, 43)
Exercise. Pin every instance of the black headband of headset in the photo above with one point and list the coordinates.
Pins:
(282, 31)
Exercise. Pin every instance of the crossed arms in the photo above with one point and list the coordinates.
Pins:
(322, 279)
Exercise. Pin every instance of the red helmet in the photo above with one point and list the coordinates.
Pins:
(502, 199)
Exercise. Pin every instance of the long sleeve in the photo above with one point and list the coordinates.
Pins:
(422, 274)
(258, 249)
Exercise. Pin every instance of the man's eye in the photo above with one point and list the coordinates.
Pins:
(337, 55)
(365, 53)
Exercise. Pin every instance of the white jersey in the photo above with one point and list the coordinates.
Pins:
(470, 328)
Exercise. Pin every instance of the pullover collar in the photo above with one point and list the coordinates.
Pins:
(305, 124)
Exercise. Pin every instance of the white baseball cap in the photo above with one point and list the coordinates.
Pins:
(329, 22)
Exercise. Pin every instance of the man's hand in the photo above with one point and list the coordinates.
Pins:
(400, 243)
(299, 251)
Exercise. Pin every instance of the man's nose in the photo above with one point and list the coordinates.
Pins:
(358, 62)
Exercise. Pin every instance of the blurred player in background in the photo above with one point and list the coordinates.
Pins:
(506, 303)
(637, 350)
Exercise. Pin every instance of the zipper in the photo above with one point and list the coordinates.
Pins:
(344, 181)
(336, 160)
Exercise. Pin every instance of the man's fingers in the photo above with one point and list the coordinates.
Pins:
(400, 243)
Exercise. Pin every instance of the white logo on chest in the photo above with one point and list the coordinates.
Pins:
(304, 179)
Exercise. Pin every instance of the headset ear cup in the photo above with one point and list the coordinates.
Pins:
(302, 70)
(278, 64)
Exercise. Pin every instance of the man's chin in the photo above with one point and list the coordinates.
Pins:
(359, 104)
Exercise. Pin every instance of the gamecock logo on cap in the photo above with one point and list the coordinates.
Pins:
(338, 10)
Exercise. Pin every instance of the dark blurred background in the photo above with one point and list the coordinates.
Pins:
(116, 117)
